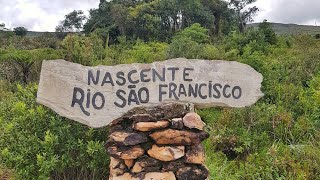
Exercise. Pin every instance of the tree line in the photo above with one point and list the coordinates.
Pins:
(159, 20)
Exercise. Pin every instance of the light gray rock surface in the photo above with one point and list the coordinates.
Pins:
(64, 87)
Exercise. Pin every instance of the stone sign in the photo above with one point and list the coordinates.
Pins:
(97, 95)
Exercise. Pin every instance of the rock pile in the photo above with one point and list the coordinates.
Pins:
(157, 143)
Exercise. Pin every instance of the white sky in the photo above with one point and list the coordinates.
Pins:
(289, 11)
(40, 15)
(44, 15)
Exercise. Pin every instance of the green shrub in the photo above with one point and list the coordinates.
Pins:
(24, 65)
(184, 47)
(4, 89)
(188, 43)
(210, 52)
(38, 144)
(269, 35)
(83, 50)
(146, 52)
(195, 32)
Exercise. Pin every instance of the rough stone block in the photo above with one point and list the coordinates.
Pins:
(126, 152)
(176, 137)
(146, 164)
(193, 120)
(166, 153)
(128, 138)
(150, 126)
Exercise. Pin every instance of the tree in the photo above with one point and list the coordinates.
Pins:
(218, 8)
(5, 32)
(3, 27)
(168, 11)
(99, 18)
(161, 19)
(243, 15)
(119, 15)
(73, 22)
(192, 11)
(147, 19)
(269, 34)
(20, 31)
(146, 22)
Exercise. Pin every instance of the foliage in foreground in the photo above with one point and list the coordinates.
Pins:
(278, 138)
(39, 144)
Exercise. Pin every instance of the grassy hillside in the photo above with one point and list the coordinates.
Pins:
(35, 33)
(32, 33)
(280, 28)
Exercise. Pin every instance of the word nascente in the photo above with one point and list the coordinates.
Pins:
(131, 88)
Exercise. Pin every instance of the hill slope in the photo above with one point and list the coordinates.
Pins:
(280, 28)
(35, 33)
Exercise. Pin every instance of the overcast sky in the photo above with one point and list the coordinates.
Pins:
(289, 11)
(44, 15)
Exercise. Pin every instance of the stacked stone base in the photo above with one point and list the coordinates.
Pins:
(158, 143)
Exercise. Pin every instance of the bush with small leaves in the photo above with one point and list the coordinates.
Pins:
(38, 144)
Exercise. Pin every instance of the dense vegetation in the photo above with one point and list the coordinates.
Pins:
(278, 138)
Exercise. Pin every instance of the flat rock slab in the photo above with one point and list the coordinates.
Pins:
(178, 137)
(142, 118)
(127, 138)
(126, 152)
(95, 96)
(150, 126)
(154, 113)
(166, 153)
(146, 164)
